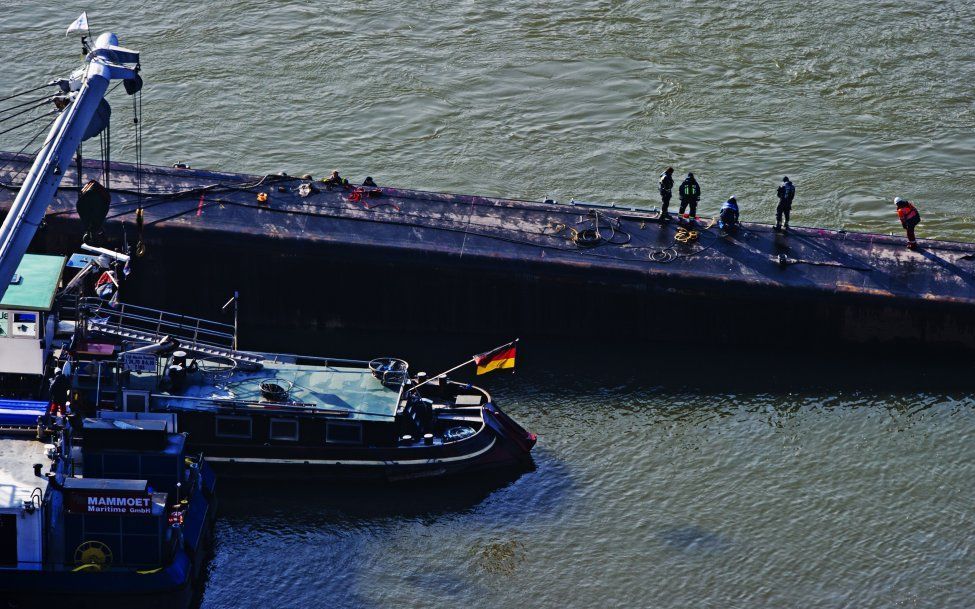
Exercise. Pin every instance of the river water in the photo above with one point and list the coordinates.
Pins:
(659, 481)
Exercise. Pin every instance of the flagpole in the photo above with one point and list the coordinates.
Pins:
(459, 366)
(445, 373)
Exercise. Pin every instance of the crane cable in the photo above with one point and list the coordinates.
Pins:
(3, 99)
(35, 100)
(140, 246)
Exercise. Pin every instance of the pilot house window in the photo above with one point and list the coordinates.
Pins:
(135, 401)
(343, 433)
(284, 429)
(233, 427)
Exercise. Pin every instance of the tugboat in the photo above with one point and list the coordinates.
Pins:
(124, 519)
(264, 414)
(253, 414)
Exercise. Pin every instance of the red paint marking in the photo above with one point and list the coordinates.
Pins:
(199, 207)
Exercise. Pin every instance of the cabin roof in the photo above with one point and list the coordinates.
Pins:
(348, 392)
(39, 278)
(104, 484)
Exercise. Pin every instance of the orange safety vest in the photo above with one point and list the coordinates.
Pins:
(908, 214)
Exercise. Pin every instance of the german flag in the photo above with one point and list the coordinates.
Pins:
(496, 359)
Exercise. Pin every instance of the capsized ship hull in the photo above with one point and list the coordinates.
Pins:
(458, 263)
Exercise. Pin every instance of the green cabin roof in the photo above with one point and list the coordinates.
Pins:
(337, 390)
(39, 278)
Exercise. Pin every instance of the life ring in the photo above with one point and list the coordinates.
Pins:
(92, 556)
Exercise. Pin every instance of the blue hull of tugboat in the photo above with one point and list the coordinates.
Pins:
(172, 587)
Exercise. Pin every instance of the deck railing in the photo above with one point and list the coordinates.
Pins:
(184, 328)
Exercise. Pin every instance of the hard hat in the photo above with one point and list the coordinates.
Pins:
(898, 200)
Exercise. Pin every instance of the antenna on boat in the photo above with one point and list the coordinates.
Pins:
(233, 299)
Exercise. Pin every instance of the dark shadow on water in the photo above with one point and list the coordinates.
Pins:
(534, 491)
(691, 538)
(707, 369)
(601, 355)
(311, 501)
(308, 526)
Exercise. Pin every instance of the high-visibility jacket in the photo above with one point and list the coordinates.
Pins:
(690, 190)
(909, 215)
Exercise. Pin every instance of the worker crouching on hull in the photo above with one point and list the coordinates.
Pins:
(910, 218)
(728, 216)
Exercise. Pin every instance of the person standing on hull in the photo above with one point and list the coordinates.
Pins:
(666, 186)
(910, 217)
(690, 194)
(786, 193)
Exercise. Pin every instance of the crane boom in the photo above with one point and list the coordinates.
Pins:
(106, 62)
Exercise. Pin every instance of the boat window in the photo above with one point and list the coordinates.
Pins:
(233, 427)
(284, 429)
(8, 539)
(343, 433)
(135, 401)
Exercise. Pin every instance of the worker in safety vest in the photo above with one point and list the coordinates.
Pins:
(786, 193)
(728, 216)
(910, 218)
(666, 186)
(690, 194)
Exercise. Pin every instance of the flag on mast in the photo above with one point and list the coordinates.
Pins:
(79, 25)
(502, 358)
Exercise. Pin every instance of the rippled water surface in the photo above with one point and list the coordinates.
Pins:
(657, 482)
(664, 488)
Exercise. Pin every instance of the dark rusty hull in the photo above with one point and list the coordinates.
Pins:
(431, 262)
